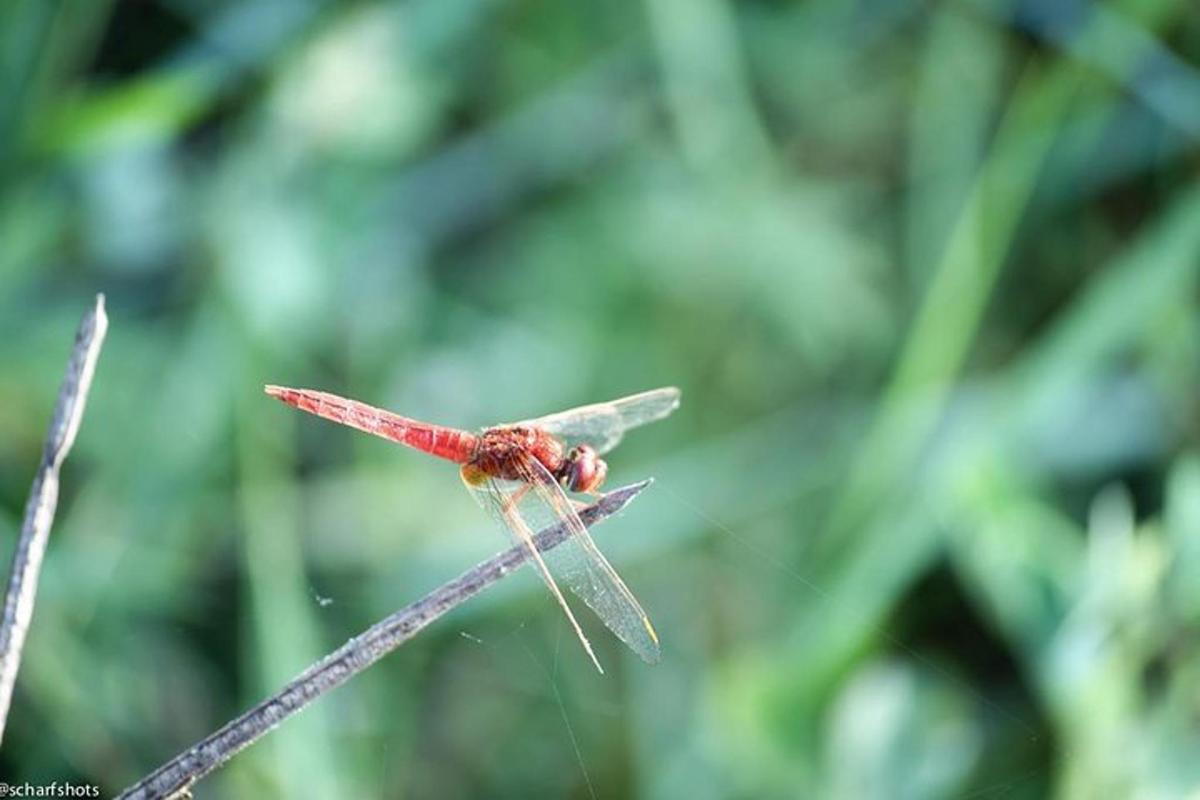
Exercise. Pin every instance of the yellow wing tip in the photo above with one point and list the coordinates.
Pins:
(653, 633)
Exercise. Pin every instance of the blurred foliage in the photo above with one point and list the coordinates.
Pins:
(927, 524)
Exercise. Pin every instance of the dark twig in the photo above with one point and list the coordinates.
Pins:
(176, 777)
(43, 498)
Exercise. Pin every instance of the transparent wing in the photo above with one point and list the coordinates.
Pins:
(579, 563)
(502, 500)
(602, 425)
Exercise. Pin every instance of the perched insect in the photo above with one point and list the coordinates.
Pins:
(520, 472)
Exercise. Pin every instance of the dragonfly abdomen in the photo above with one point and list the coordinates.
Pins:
(437, 440)
(449, 443)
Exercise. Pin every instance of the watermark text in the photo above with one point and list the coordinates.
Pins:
(55, 789)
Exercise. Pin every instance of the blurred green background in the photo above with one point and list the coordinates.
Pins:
(927, 524)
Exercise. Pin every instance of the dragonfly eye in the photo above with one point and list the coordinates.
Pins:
(583, 470)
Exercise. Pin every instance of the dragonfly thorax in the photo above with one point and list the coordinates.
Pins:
(502, 452)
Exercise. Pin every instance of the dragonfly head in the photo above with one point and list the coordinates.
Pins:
(582, 470)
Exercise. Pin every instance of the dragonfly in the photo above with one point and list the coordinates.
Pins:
(521, 473)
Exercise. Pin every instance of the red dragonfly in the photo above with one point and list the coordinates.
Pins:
(521, 472)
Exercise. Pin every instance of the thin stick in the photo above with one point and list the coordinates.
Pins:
(176, 777)
(43, 499)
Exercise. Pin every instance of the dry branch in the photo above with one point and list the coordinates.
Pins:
(177, 776)
(43, 499)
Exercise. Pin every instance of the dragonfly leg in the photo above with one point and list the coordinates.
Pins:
(511, 502)
(474, 477)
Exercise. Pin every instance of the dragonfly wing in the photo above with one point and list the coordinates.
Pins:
(502, 500)
(579, 563)
(602, 425)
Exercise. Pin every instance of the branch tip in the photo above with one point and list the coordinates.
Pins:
(43, 499)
